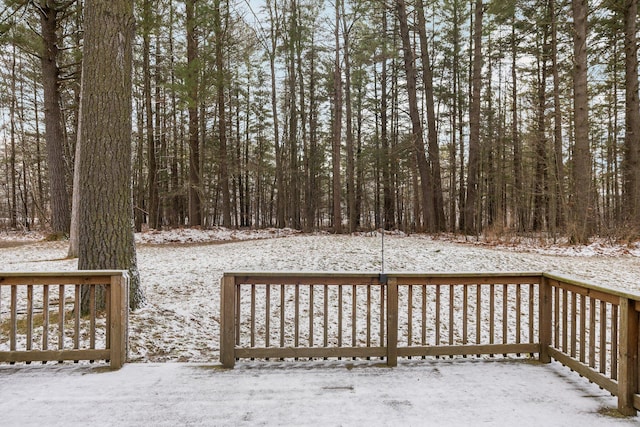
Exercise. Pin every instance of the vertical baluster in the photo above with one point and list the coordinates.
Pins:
(354, 315)
(409, 315)
(565, 316)
(556, 317)
(531, 313)
(45, 318)
(424, 316)
(369, 315)
(29, 317)
(326, 315)
(282, 305)
(267, 315)
(592, 332)
(296, 316)
(238, 307)
(382, 315)
(311, 314)
(492, 313)
(92, 318)
(478, 314)
(574, 323)
(583, 327)
(61, 304)
(13, 330)
(253, 315)
(603, 337)
(518, 313)
(465, 309)
(76, 312)
(108, 308)
(505, 314)
(614, 341)
(451, 313)
(339, 316)
(437, 315)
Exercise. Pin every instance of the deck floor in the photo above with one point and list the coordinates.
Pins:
(417, 392)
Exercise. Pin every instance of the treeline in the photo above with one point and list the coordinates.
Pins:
(450, 115)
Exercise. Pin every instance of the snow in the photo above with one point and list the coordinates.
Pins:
(181, 271)
(443, 393)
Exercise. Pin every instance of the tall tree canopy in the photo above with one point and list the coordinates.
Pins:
(344, 116)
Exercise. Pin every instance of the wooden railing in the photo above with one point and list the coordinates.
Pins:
(590, 329)
(42, 319)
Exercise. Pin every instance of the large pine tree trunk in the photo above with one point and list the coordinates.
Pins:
(105, 228)
(582, 184)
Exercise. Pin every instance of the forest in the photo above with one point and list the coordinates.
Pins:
(431, 116)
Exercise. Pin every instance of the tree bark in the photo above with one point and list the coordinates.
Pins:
(470, 209)
(582, 184)
(631, 175)
(152, 172)
(106, 238)
(336, 135)
(54, 136)
(432, 135)
(426, 184)
(192, 83)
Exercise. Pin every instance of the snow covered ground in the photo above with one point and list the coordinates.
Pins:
(181, 272)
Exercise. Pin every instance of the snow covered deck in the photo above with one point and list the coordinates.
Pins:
(444, 393)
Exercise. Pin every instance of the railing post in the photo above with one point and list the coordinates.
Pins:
(227, 321)
(392, 322)
(545, 305)
(119, 327)
(628, 360)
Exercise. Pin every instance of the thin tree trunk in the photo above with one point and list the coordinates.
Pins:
(337, 128)
(471, 225)
(426, 184)
(192, 83)
(54, 136)
(632, 117)
(152, 172)
(432, 135)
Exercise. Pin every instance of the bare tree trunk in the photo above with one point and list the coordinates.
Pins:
(152, 172)
(631, 174)
(222, 120)
(470, 209)
(426, 184)
(558, 161)
(54, 136)
(192, 83)
(337, 128)
(432, 135)
(582, 183)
